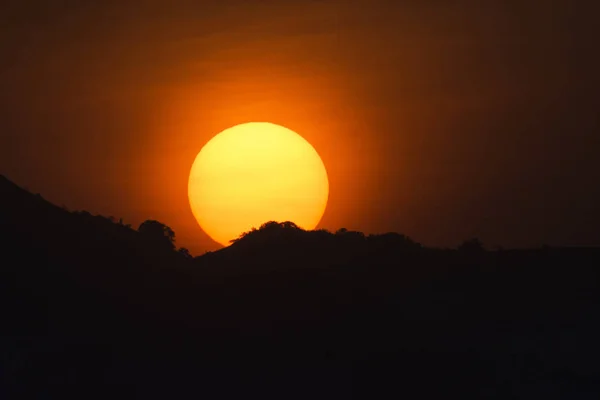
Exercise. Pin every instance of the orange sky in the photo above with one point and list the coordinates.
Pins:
(442, 120)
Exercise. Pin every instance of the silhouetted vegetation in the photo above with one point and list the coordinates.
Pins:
(94, 309)
(471, 246)
(157, 234)
(184, 252)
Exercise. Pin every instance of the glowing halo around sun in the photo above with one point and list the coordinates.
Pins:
(253, 173)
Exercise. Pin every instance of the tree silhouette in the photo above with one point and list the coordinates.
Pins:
(158, 233)
(392, 240)
(473, 245)
(184, 252)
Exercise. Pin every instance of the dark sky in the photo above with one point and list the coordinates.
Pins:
(442, 120)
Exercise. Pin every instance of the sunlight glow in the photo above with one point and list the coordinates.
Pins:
(253, 173)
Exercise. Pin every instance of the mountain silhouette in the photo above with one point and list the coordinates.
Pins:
(92, 308)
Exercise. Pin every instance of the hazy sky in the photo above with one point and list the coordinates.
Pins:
(442, 120)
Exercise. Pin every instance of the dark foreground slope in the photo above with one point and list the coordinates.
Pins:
(90, 309)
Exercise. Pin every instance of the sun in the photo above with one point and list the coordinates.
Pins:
(253, 173)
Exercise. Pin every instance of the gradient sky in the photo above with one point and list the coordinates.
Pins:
(442, 120)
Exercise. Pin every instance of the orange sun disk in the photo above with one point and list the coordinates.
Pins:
(253, 173)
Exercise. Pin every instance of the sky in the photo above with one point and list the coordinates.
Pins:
(442, 120)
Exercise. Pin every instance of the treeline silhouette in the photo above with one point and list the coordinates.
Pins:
(93, 308)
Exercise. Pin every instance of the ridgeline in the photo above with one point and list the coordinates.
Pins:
(93, 308)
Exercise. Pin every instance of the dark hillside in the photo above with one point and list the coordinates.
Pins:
(92, 308)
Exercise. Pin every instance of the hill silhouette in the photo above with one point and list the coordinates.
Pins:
(94, 308)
